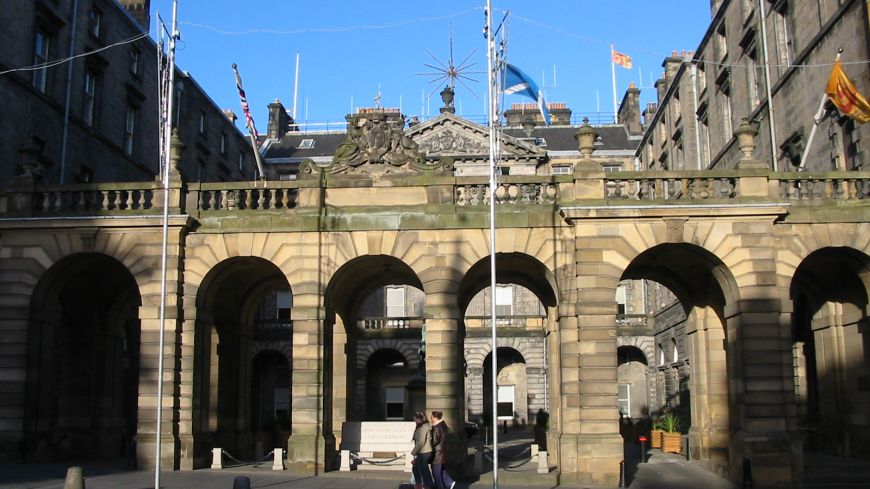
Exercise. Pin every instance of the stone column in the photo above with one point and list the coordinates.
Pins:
(444, 373)
(589, 372)
(307, 447)
(763, 410)
(708, 436)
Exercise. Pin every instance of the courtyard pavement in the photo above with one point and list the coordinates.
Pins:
(662, 471)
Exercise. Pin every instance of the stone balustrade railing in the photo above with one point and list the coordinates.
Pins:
(247, 196)
(26, 198)
(372, 323)
(506, 193)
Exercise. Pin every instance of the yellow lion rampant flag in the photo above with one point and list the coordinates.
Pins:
(845, 96)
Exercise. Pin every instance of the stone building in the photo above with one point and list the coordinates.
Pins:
(96, 116)
(704, 95)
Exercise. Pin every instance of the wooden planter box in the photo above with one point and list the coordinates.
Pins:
(672, 442)
(655, 438)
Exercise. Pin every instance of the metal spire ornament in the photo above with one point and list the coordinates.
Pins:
(451, 72)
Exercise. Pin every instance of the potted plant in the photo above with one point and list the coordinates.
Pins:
(672, 439)
(655, 433)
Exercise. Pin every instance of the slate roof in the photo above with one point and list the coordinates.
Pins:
(288, 146)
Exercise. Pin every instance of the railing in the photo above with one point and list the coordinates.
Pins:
(823, 187)
(373, 323)
(634, 321)
(505, 321)
(506, 193)
(234, 196)
(273, 329)
(671, 185)
(83, 198)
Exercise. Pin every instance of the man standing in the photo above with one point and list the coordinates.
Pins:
(439, 446)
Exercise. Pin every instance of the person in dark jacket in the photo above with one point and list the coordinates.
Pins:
(422, 453)
(439, 446)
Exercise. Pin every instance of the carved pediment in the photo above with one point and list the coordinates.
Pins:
(451, 135)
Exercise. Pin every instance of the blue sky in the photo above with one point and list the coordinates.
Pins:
(350, 50)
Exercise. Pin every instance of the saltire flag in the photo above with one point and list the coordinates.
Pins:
(621, 59)
(845, 96)
(249, 120)
(514, 81)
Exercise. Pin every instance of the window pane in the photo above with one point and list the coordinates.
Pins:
(395, 302)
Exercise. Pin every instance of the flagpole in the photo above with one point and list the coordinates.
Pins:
(158, 438)
(249, 123)
(613, 77)
(816, 118)
(493, 118)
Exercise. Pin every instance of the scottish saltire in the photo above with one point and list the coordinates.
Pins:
(842, 92)
(621, 59)
(249, 120)
(514, 81)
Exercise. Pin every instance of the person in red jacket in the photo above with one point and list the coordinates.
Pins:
(439, 446)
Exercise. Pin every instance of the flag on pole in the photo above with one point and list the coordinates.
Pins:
(249, 120)
(514, 81)
(623, 60)
(845, 96)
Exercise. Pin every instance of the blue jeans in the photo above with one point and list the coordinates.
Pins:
(442, 478)
(420, 469)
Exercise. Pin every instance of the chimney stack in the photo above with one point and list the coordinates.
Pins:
(139, 10)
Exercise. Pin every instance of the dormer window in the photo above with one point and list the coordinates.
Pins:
(306, 144)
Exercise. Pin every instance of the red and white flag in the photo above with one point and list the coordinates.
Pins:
(623, 60)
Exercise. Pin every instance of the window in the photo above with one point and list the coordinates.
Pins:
(782, 36)
(504, 300)
(95, 19)
(134, 61)
(725, 107)
(623, 400)
(223, 146)
(562, 170)
(748, 7)
(721, 43)
(89, 97)
(201, 125)
(620, 299)
(702, 79)
(852, 145)
(40, 56)
(283, 303)
(705, 137)
(306, 144)
(394, 402)
(675, 352)
(505, 404)
(754, 75)
(395, 302)
(130, 130)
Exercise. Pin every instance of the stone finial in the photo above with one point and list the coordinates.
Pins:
(30, 152)
(176, 146)
(746, 133)
(586, 136)
(447, 96)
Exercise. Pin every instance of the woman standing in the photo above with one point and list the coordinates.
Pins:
(439, 445)
(422, 453)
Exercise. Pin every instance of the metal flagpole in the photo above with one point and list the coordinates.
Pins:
(493, 120)
(158, 441)
(816, 117)
(613, 76)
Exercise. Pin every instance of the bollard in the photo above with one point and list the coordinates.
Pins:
(534, 450)
(642, 440)
(75, 479)
(747, 474)
(278, 460)
(622, 473)
(478, 460)
(345, 461)
(241, 482)
(217, 458)
(543, 466)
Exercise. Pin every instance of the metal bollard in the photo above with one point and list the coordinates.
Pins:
(747, 474)
(622, 473)
(241, 482)
(642, 440)
(75, 479)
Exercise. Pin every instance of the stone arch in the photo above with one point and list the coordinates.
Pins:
(82, 376)
(406, 349)
(830, 291)
(643, 343)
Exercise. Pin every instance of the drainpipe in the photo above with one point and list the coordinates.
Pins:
(697, 118)
(767, 85)
(69, 70)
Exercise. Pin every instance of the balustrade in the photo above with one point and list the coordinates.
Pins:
(253, 198)
(469, 195)
(373, 323)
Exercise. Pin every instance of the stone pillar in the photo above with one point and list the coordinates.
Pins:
(340, 380)
(708, 436)
(763, 409)
(307, 447)
(444, 373)
(589, 373)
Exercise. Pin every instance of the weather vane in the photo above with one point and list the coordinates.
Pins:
(450, 72)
